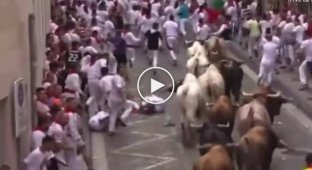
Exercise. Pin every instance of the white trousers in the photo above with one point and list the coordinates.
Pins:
(130, 105)
(303, 73)
(116, 110)
(266, 71)
(131, 54)
(252, 45)
(182, 25)
(153, 55)
(95, 93)
(171, 45)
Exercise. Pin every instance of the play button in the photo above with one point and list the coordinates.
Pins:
(157, 84)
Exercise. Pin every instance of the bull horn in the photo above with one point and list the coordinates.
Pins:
(209, 104)
(246, 94)
(223, 61)
(205, 146)
(274, 95)
(231, 144)
(289, 99)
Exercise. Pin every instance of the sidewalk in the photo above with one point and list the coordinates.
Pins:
(287, 82)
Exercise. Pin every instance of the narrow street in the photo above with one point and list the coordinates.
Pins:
(146, 144)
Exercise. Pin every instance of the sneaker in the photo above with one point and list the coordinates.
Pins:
(304, 87)
(111, 134)
(121, 123)
(130, 63)
(175, 63)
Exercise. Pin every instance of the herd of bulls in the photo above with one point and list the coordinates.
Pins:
(232, 135)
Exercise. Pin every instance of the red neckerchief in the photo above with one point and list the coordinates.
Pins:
(68, 110)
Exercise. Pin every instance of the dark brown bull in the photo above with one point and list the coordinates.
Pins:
(233, 77)
(218, 158)
(255, 149)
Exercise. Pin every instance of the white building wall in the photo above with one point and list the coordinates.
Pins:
(15, 63)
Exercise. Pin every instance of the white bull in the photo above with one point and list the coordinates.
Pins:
(192, 104)
(190, 98)
(197, 62)
(212, 83)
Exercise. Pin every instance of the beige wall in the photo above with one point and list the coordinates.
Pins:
(15, 63)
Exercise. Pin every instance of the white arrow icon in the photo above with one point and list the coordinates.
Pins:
(155, 85)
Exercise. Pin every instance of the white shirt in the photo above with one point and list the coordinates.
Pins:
(133, 17)
(288, 27)
(232, 11)
(85, 63)
(281, 24)
(130, 38)
(118, 84)
(305, 25)
(95, 121)
(72, 82)
(94, 72)
(202, 32)
(72, 129)
(106, 83)
(156, 7)
(71, 36)
(306, 45)
(36, 138)
(301, 18)
(275, 39)
(299, 30)
(90, 49)
(269, 52)
(169, 10)
(35, 160)
(109, 27)
(171, 28)
(265, 25)
(146, 24)
(56, 131)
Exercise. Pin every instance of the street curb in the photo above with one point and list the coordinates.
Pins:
(289, 109)
(98, 151)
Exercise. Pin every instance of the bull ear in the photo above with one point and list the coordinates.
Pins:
(246, 140)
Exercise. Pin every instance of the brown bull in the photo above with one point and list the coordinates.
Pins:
(256, 112)
(216, 158)
(222, 113)
(254, 150)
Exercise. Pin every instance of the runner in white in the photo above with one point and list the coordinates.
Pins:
(132, 44)
(269, 57)
(171, 31)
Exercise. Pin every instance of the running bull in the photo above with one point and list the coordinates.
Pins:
(259, 111)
